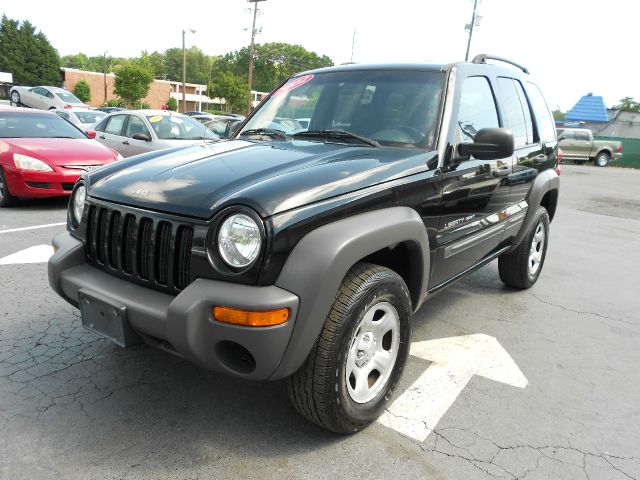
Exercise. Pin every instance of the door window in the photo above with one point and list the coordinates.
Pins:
(114, 126)
(39, 91)
(64, 115)
(582, 135)
(136, 125)
(517, 116)
(545, 128)
(477, 108)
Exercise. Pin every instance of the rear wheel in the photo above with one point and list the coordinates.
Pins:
(350, 374)
(15, 98)
(602, 160)
(521, 267)
(6, 199)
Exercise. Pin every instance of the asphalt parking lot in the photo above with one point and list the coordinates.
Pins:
(73, 406)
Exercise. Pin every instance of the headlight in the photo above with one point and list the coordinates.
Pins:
(77, 204)
(239, 240)
(25, 162)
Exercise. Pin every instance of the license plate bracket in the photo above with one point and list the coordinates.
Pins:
(107, 318)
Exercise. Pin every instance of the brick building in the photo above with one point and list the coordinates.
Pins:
(159, 91)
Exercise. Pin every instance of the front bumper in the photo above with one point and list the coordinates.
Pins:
(33, 184)
(183, 323)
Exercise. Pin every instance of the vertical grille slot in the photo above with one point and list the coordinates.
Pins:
(127, 243)
(112, 240)
(144, 247)
(163, 243)
(90, 229)
(184, 239)
(101, 233)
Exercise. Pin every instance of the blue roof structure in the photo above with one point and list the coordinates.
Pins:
(590, 108)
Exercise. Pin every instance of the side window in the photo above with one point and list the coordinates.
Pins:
(477, 108)
(48, 94)
(39, 91)
(64, 115)
(581, 135)
(136, 125)
(101, 125)
(515, 117)
(545, 128)
(114, 126)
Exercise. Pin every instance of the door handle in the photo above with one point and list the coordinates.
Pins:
(101, 136)
(126, 142)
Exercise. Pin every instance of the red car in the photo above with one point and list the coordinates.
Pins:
(42, 155)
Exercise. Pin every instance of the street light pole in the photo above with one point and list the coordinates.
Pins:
(104, 71)
(473, 22)
(184, 71)
(251, 53)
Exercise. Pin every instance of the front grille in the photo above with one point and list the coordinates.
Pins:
(154, 252)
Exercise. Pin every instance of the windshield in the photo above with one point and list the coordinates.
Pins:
(36, 125)
(90, 116)
(172, 127)
(68, 97)
(392, 107)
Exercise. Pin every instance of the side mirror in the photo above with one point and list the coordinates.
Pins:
(489, 144)
(90, 133)
(142, 136)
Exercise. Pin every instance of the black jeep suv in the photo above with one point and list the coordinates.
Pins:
(301, 247)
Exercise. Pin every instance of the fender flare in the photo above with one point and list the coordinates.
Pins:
(319, 262)
(544, 183)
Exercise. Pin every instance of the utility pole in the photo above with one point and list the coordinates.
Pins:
(251, 53)
(184, 71)
(104, 71)
(353, 43)
(471, 25)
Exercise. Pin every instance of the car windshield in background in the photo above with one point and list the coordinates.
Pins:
(170, 127)
(30, 125)
(90, 116)
(68, 97)
(388, 107)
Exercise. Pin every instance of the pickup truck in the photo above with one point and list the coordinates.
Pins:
(301, 252)
(579, 146)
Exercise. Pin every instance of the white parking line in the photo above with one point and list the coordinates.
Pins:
(33, 228)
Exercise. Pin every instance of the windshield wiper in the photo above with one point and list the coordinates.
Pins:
(340, 134)
(269, 132)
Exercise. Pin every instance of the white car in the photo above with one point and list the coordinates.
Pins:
(44, 98)
(83, 119)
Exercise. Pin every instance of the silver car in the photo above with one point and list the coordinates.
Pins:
(44, 98)
(138, 131)
(83, 119)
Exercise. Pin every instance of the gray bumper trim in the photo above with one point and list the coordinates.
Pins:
(185, 320)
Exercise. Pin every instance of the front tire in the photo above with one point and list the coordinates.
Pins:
(602, 160)
(352, 371)
(521, 267)
(6, 199)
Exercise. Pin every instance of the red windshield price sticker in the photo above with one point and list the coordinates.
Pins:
(293, 84)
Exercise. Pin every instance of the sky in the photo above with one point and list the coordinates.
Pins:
(570, 47)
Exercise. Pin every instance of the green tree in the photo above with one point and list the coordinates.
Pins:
(27, 54)
(132, 82)
(558, 114)
(232, 88)
(628, 104)
(172, 104)
(82, 91)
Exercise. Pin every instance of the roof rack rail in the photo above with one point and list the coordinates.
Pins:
(483, 57)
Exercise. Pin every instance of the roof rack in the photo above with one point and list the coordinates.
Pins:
(483, 57)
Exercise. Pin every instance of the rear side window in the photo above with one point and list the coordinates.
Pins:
(582, 135)
(517, 116)
(477, 108)
(546, 131)
(114, 125)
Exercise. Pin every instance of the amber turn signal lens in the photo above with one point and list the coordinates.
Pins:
(249, 318)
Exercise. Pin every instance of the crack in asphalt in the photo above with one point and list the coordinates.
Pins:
(579, 312)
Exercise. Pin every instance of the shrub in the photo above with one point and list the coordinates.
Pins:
(82, 91)
(172, 104)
